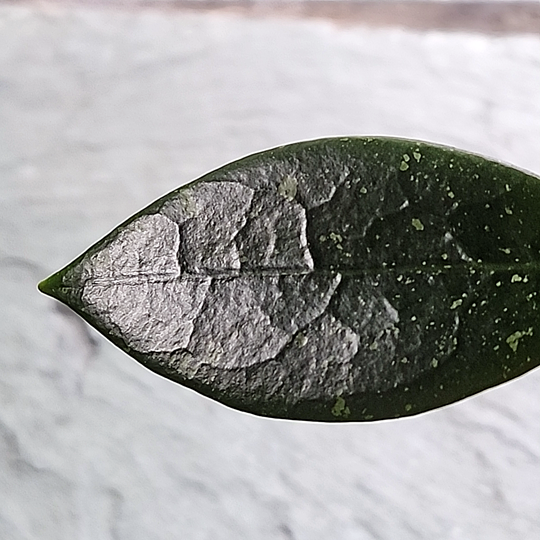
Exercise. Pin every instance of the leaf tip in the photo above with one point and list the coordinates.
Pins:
(49, 286)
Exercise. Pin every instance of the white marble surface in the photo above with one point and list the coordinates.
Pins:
(103, 110)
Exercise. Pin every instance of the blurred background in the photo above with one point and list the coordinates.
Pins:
(106, 105)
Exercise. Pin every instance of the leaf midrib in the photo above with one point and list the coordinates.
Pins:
(491, 268)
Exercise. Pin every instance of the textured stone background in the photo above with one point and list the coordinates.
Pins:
(101, 111)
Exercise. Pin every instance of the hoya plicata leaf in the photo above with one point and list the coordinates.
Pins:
(347, 279)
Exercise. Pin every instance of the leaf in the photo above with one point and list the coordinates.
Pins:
(342, 279)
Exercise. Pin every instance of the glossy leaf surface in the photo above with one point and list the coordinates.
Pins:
(347, 279)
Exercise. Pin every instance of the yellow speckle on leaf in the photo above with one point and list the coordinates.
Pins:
(340, 408)
(417, 156)
(300, 340)
(513, 339)
(336, 237)
(417, 224)
(456, 303)
(288, 187)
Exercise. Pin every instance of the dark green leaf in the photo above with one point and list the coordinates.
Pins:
(336, 280)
